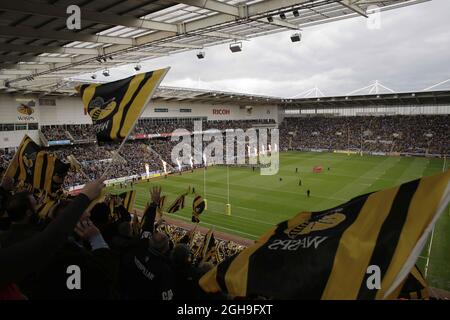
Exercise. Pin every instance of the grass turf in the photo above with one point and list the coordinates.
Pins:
(259, 202)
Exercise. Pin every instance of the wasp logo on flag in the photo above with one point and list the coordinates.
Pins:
(312, 223)
(98, 109)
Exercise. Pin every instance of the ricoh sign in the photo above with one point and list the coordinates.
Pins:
(221, 112)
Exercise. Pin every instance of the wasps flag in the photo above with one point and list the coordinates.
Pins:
(75, 165)
(39, 169)
(413, 287)
(20, 168)
(44, 208)
(327, 254)
(177, 205)
(115, 106)
(128, 199)
(209, 246)
(198, 206)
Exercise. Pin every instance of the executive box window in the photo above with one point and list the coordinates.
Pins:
(161, 110)
(20, 126)
(8, 127)
(33, 126)
(186, 110)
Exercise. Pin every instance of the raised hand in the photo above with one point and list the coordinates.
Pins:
(155, 194)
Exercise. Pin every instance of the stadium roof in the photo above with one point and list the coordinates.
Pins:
(214, 97)
(382, 99)
(37, 51)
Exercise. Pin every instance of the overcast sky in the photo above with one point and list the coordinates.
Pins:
(411, 51)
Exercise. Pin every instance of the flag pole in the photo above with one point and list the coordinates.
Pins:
(116, 152)
(135, 121)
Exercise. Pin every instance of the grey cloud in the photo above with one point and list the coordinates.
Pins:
(410, 52)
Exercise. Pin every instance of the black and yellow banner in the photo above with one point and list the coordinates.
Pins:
(198, 206)
(39, 169)
(209, 246)
(177, 205)
(21, 166)
(327, 254)
(115, 106)
(128, 199)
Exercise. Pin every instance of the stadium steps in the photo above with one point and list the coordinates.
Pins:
(69, 135)
(119, 157)
(43, 139)
(169, 166)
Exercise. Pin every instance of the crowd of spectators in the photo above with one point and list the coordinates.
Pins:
(81, 132)
(120, 255)
(55, 133)
(403, 134)
(161, 126)
(418, 134)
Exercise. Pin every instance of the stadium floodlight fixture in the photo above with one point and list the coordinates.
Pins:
(270, 18)
(296, 37)
(93, 76)
(201, 54)
(104, 59)
(282, 16)
(236, 47)
(295, 13)
(137, 67)
(99, 59)
(106, 73)
(111, 58)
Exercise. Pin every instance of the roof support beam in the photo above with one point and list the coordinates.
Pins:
(280, 23)
(225, 35)
(178, 45)
(26, 32)
(352, 5)
(47, 49)
(212, 5)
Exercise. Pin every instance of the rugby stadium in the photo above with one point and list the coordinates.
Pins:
(206, 191)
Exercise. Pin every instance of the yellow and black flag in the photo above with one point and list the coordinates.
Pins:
(209, 246)
(21, 166)
(128, 199)
(198, 206)
(49, 172)
(333, 254)
(38, 169)
(414, 287)
(177, 205)
(115, 106)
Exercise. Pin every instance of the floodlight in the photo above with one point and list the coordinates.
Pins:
(282, 16)
(270, 19)
(137, 67)
(93, 76)
(296, 37)
(236, 47)
(295, 13)
(106, 73)
(201, 55)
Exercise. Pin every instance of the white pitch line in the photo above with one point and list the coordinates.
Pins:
(210, 224)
